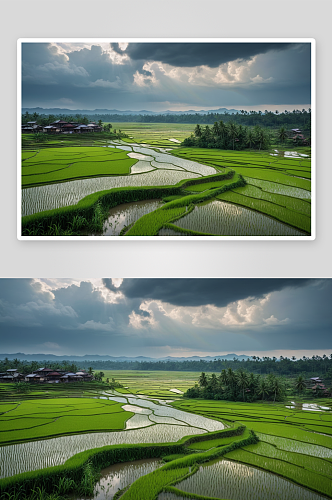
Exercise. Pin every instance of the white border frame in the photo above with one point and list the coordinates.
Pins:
(312, 41)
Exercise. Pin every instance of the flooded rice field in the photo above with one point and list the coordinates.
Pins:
(234, 481)
(221, 218)
(35, 455)
(50, 196)
(151, 423)
(294, 446)
(153, 168)
(308, 407)
(125, 214)
(274, 187)
(118, 476)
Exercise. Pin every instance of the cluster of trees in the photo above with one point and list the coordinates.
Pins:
(228, 136)
(45, 120)
(320, 366)
(238, 385)
(26, 367)
(271, 119)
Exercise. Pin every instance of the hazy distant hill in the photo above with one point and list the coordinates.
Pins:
(63, 111)
(97, 357)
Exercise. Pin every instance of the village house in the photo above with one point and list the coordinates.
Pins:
(318, 387)
(11, 375)
(45, 375)
(61, 126)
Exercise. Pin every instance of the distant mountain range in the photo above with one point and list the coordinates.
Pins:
(97, 357)
(64, 111)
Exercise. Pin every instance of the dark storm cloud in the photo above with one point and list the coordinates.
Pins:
(20, 291)
(197, 54)
(83, 319)
(41, 53)
(88, 78)
(203, 291)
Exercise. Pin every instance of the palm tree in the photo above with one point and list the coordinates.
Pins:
(90, 370)
(276, 387)
(250, 138)
(213, 382)
(215, 129)
(242, 381)
(222, 129)
(230, 377)
(282, 135)
(232, 131)
(203, 382)
(198, 131)
(223, 377)
(300, 384)
(263, 388)
(260, 136)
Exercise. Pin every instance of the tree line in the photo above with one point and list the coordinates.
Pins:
(290, 119)
(320, 366)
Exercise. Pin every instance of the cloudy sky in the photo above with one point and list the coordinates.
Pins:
(161, 317)
(162, 76)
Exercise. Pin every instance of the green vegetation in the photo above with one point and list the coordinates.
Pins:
(150, 224)
(277, 185)
(134, 370)
(89, 214)
(273, 120)
(55, 165)
(82, 468)
(274, 184)
(292, 442)
(59, 417)
(236, 386)
(228, 136)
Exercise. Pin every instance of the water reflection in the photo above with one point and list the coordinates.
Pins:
(127, 213)
(118, 476)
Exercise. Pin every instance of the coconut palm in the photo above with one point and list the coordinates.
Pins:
(198, 131)
(216, 130)
(263, 389)
(300, 384)
(231, 377)
(242, 381)
(276, 387)
(250, 139)
(282, 135)
(203, 381)
(213, 382)
(222, 128)
(232, 132)
(223, 377)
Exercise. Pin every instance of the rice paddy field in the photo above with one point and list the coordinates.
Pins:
(224, 450)
(272, 199)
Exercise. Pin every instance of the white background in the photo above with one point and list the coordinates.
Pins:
(158, 18)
